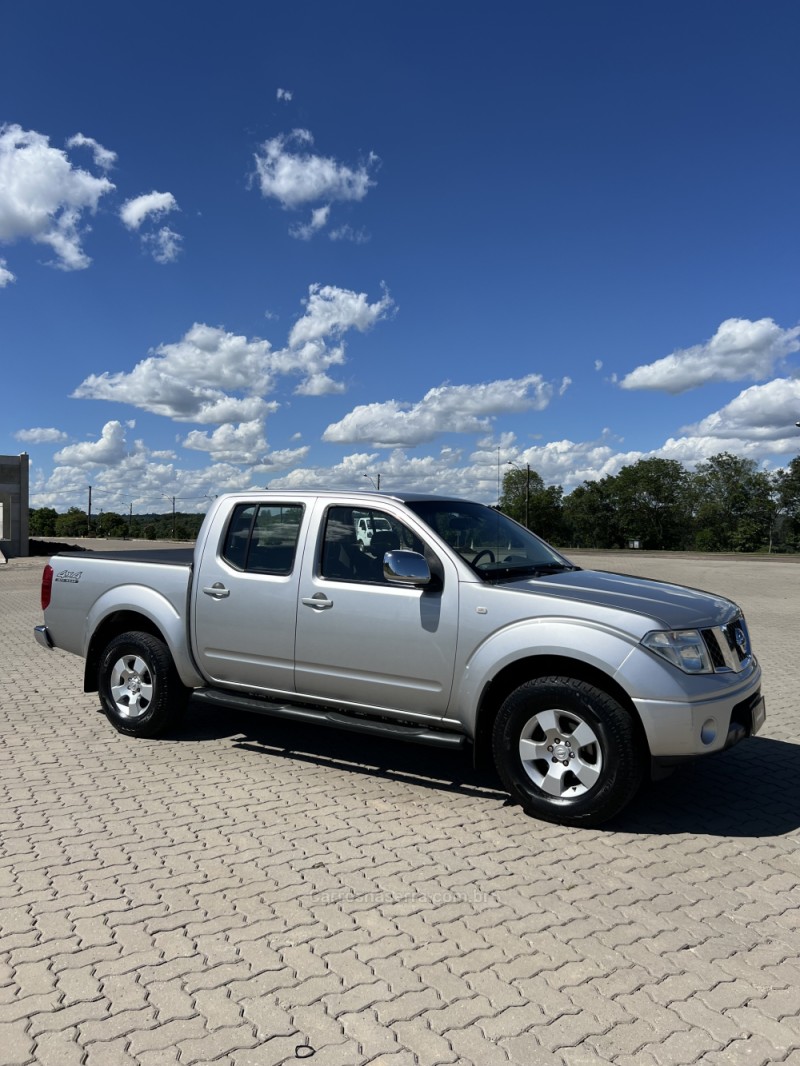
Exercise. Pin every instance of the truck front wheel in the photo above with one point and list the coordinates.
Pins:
(140, 690)
(567, 751)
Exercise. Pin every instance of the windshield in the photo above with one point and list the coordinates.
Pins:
(492, 544)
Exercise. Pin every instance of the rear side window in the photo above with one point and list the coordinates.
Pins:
(262, 538)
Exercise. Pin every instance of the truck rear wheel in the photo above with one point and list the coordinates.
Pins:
(567, 751)
(141, 692)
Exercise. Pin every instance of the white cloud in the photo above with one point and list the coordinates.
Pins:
(319, 384)
(151, 205)
(282, 459)
(6, 277)
(331, 311)
(347, 233)
(103, 157)
(444, 473)
(110, 450)
(41, 436)
(319, 219)
(762, 412)
(142, 478)
(739, 350)
(189, 381)
(300, 177)
(165, 246)
(197, 378)
(284, 94)
(243, 443)
(570, 463)
(446, 409)
(43, 198)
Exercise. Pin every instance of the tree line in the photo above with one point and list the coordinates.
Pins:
(726, 504)
(46, 523)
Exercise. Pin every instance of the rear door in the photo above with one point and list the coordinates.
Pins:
(364, 642)
(245, 597)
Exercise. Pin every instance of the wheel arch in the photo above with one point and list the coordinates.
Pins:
(112, 626)
(517, 673)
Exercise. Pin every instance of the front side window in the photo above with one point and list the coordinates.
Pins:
(262, 538)
(355, 541)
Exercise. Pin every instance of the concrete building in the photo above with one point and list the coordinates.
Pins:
(14, 472)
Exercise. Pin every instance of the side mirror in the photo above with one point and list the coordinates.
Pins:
(406, 568)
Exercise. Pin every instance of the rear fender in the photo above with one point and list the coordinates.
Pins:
(130, 607)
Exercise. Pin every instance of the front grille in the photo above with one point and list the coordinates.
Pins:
(729, 646)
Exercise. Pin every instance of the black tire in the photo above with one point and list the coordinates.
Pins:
(583, 762)
(140, 690)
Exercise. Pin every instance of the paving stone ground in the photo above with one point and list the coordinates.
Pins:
(252, 893)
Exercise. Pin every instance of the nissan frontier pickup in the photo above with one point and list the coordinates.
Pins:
(453, 626)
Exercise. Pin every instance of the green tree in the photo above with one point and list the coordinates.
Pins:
(528, 500)
(42, 521)
(72, 524)
(787, 492)
(518, 485)
(111, 524)
(653, 503)
(591, 516)
(735, 504)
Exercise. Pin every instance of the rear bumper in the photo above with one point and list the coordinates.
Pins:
(43, 637)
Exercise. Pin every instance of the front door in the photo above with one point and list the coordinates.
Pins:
(363, 642)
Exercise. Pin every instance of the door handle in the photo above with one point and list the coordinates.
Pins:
(318, 600)
(217, 591)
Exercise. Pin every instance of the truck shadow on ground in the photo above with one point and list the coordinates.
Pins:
(752, 790)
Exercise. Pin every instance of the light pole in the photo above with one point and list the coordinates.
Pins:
(527, 488)
(376, 487)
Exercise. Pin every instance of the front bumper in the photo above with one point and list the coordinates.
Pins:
(683, 730)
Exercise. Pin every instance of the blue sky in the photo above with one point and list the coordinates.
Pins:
(290, 245)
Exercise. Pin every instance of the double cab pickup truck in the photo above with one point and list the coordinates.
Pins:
(454, 626)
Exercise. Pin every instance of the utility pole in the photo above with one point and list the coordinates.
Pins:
(89, 515)
(173, 511)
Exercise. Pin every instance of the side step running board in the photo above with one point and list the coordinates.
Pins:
(334, 719)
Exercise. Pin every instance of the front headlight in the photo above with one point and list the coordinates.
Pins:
(684, 648)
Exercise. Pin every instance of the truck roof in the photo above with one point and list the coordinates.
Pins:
(403, 495)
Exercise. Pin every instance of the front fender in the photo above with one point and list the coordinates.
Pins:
(602, 648)
(160, 612)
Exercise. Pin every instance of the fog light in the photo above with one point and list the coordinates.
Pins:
(708, 734)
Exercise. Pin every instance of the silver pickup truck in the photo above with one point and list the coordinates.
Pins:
(454, 626)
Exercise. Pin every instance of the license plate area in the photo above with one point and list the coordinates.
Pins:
(759, 713)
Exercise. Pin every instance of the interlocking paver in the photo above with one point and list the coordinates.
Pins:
(16, 1043)
(59, 1049)
(247, 889)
